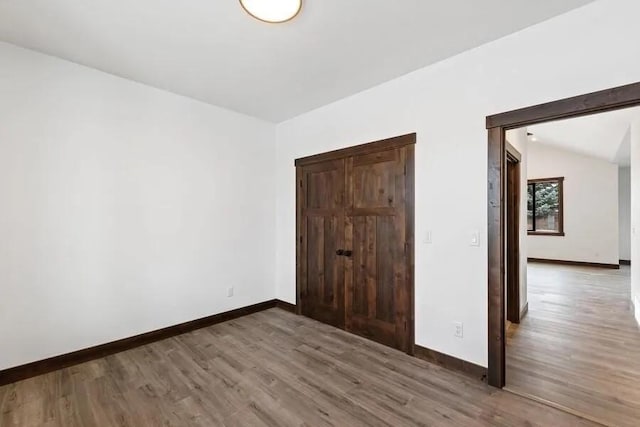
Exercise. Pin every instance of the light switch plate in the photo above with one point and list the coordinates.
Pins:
(475, 239)
(427, 238)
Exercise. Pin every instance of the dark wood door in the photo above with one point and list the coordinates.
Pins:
(355, 240)
(378, 297)
(513, 235)
(321, 207)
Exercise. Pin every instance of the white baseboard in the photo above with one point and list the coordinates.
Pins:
(636, 304)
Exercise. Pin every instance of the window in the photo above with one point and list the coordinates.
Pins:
(544, 207)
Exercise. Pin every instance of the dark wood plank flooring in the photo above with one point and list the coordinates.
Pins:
(579, 345)
(268, 369)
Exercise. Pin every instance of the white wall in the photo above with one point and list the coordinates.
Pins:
(635, 217)
(518, 139)
(586, 50)
(124, 208)
(590, 206)
(624, 212)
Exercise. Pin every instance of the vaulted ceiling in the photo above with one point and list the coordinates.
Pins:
(211, 50)
(604, 135)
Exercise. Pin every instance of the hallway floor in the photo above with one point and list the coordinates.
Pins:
(579, 344)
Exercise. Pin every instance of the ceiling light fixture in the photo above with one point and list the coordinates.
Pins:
(272, 11)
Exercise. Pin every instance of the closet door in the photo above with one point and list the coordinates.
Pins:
(321, 221)
(378, 293)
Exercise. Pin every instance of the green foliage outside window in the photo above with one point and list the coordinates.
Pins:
(543, 206)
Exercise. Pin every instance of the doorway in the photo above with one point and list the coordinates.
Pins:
(497, 125)
(580, 310)
(355, 240)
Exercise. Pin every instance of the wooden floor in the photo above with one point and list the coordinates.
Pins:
(579, 345)
(268, 369)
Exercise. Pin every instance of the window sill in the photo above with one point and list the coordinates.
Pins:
(545, 233)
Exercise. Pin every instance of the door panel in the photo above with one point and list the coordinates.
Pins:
(386, 274)
(378, 298)
(322, 270)
(364, 257)
(323, 265)
(374, 279)
(325, 187)
(375, 181)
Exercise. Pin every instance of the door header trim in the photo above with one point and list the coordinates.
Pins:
(605, 100)
(357, 150)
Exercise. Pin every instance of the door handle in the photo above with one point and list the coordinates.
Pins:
(347, 253)
(340, 252)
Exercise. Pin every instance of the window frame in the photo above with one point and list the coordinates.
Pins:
(557, 180)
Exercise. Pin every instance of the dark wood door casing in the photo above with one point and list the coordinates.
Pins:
(363, 194)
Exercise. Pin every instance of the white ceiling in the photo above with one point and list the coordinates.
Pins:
(604, 135)
(213, 51)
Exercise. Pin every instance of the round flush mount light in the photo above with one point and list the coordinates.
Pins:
(272, 11)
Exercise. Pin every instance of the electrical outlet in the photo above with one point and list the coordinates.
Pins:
(230, 292)
(458, 330)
